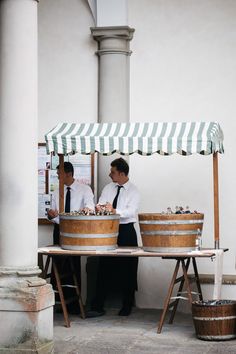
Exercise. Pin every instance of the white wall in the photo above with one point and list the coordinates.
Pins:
(67, 70)
(111, 13)
(182, 69)
(67, 64)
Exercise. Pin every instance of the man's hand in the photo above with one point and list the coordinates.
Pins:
(52, 213)
(110, 208)
(99, 207)
(87, 210)
(105, 208)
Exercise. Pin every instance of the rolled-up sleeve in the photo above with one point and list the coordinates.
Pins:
(54, 206)
(128, 201)
(105, 196)
(88, 198)
(130, 209)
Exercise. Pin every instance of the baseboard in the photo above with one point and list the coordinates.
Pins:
(228, 279)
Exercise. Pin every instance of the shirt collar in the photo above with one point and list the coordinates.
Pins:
(125, 185)
(72, 186)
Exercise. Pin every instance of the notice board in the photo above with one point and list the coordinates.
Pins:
(48, 179)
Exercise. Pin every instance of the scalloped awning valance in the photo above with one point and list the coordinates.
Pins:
(184, 138)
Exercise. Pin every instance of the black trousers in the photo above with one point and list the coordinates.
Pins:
(56, 234)
(118, 272)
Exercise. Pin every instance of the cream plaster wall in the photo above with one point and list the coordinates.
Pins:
(182, 69)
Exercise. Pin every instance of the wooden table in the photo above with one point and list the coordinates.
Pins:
(183, 261)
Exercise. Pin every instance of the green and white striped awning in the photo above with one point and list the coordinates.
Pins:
(144, 138)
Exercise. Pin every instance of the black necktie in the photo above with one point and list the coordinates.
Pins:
(114, 204)
(67, 204)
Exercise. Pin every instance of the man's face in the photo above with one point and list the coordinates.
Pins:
(65, 176)
(116, 176)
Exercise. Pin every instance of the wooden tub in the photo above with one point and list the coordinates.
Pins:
(170, 232)
(86, 233)
(215, 322)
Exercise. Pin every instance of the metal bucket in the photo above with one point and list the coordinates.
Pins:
(86, 233)
(215, 322)
(170, 233)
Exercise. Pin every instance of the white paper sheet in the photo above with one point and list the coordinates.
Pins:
(43, 205)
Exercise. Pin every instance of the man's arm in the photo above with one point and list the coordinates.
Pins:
(88, 198)
(53, 212)
(131, 208)
(104, 197)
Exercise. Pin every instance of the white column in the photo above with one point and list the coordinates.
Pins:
(114, 85)
(25, 299)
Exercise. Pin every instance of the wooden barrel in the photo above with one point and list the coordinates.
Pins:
(170, 232)
(86, 233)
(215, 322)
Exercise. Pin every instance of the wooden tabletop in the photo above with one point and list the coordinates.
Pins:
(126, 252)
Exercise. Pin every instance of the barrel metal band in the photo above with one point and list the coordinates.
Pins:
(89, 248)
(220, 337)
(167, 233)
(171, 222)
(66, 234)
(214, 318)
(169, 249)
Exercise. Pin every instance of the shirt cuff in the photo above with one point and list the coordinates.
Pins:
(54, 220)
(118, 211)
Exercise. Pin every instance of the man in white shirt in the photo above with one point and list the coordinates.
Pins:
(120, 197)
(76, 196)
(81, 197)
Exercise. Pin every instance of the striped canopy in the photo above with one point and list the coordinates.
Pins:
(144, 138)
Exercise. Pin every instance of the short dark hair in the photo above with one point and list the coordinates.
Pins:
(68, 167)
(121, 165)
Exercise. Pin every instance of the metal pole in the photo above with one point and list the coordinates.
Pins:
(216, 200)
(61, 183)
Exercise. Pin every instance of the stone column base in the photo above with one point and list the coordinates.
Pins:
(26, 312)
(43, 349)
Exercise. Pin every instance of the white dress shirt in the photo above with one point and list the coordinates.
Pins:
(81, 196)
(127, 203)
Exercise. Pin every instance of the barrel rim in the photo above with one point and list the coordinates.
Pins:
(199, 304)
(89, 217)
(171, 216)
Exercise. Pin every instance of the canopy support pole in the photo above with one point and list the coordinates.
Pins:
(216, 200)
(61, 183)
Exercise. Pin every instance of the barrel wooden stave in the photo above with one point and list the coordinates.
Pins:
(89, 232)
(170, 233)
(215, 322)
(167, 241)
(89, 226)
